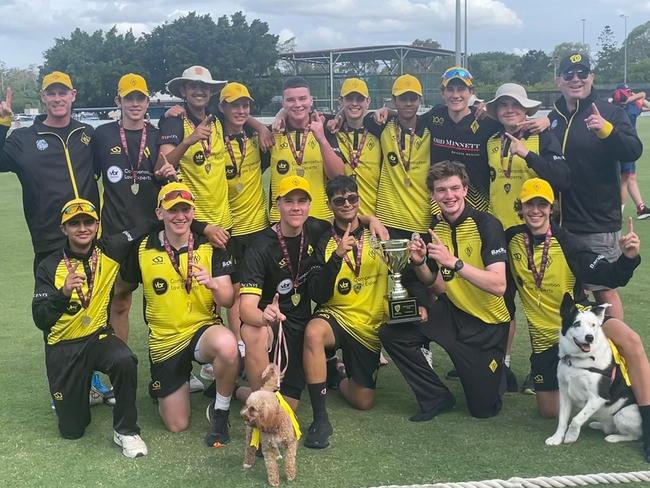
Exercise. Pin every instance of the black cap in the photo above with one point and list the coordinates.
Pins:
(575, 60)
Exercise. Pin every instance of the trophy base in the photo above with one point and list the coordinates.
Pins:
(403, 311)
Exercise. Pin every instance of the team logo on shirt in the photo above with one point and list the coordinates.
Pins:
(507, 187)
(344, 286)
(199, 158)
(447, 273)
(436, 120)
(73, 308)
(392, 158)
(282, 167)
(58, 396)
(116, 150)
(554, 124)
(469, 250)
(41, 145)
(85, 138)
(157, 260)
(285, 286)
(114, 174)
(475, 126)
(160, 286)
(230, 172)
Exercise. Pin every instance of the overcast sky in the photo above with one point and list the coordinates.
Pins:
(29, 27)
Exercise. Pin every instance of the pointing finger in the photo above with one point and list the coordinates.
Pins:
(434, 237)
(347, 230)
(511, 137)
(595, 109)
(630, 225)
(276, 299)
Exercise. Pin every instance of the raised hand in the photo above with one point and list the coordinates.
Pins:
(272, 314)
(437, 250)
(6, 104)
(346, 243)
(517, 147)
(167, 170)
(630, 243)
(203, 277)
(417, 250)
(595, 121)
(202, 131)
(316, 126)
(72, 281)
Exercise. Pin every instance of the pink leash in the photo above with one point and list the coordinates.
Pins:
(281, 345)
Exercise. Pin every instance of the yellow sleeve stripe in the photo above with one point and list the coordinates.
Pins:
(249, 290)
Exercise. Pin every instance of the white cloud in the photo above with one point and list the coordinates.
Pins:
(383, 25)
(520, 51)
(328, 37)
(285, 35)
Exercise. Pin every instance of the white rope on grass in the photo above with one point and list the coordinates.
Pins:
(543, 481)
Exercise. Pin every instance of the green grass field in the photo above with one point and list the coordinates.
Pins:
(368, 448)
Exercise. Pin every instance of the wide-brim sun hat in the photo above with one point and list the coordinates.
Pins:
(517, 92)
(193, 73)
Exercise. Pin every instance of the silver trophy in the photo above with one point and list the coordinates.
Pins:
(402, 308)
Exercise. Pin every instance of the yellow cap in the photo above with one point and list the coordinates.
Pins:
(291, 183)
(174, 193)
(56, 77)
(234, 91)
(536, 188)
(405, 84)
(354, 85)
(130, 83)
(78, 206)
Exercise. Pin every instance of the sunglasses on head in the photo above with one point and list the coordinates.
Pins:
(352, 198)
(174, 194)
(79, 208)
(456, 73)
(582, 74)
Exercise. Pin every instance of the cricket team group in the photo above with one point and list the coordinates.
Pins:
(490, 201)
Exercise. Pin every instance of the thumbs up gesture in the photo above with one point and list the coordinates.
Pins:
(595, 121)
(346, 243)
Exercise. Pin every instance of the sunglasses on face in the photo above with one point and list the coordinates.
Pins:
(352, 199)
(79, 208)
(174, 194)
(582, 74)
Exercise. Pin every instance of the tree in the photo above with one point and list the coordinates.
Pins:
(24, 84)
(493, 67)
(533, 68)
(610, 58)
(565, 48)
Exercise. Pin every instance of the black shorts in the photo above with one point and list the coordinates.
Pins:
(294, 377)
(170, 374)
(361, 364)
(543, 369)
(237, 245)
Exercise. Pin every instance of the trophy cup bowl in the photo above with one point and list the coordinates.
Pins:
(402, 308)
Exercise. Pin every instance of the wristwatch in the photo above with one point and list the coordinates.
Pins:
(459, 265)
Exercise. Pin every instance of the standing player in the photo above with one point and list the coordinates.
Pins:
(470, 321)
(349, 282)
(70, 305)
(595, 136)
(183, 277)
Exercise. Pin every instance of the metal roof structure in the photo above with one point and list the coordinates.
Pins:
(393, 56)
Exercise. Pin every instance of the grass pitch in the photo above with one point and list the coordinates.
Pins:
(368, 448)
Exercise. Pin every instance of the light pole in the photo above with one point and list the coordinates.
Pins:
(624, 17)
(466, 64)
(458, 62)
(584, 21)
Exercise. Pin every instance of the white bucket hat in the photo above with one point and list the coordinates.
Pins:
(515, 91)
(193, 73)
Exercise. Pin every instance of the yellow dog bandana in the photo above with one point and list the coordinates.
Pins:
(256, 434)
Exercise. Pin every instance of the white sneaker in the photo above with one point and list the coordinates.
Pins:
(196, 384)
(207, 373)
(132, 445)
(95, 396)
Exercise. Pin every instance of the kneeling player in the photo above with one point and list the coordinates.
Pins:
(70, 305)
(183, 277)
(349, 282)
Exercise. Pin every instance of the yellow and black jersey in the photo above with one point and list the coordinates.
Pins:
(358, 302)
(205, 176)
(402, 197)
(477, 238)
(245, 191)
(367, 165)
(121, 207)
(463, 141)
(569, 264)
(266, 272)
(63, 318)
(508, 172)
(283, 163)
(172, 314)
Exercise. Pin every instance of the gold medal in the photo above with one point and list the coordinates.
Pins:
(300, 171)
(407, 181)
(85, 320)
(295, 299)
(357, 288)
(208, 168)
(239, 187)
(135, 188)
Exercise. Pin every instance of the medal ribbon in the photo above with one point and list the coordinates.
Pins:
(125, 149)
(231, 152)
(175, 264)
(298, 156)
(285, 254)
(530, 251)
(504, 151)
(405, 162)
(85, 299)
(206, 145)
(355, 156)
(358, 255)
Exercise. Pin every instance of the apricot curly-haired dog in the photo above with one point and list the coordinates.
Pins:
(269, 424)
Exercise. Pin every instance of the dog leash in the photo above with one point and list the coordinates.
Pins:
(280, 346)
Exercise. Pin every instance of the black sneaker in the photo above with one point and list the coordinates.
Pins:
(528, 387)
(452, 374)
(318, 435)
(445, 405)
(511, 381)
(218, 435)
(643, 214)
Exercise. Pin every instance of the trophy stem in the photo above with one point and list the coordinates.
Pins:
(398, 292)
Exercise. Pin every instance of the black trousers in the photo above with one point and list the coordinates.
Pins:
(476, 349)
(70, 365)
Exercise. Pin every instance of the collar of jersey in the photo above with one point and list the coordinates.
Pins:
(82, 257)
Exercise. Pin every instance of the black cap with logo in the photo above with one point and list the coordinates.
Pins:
(575, 61)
